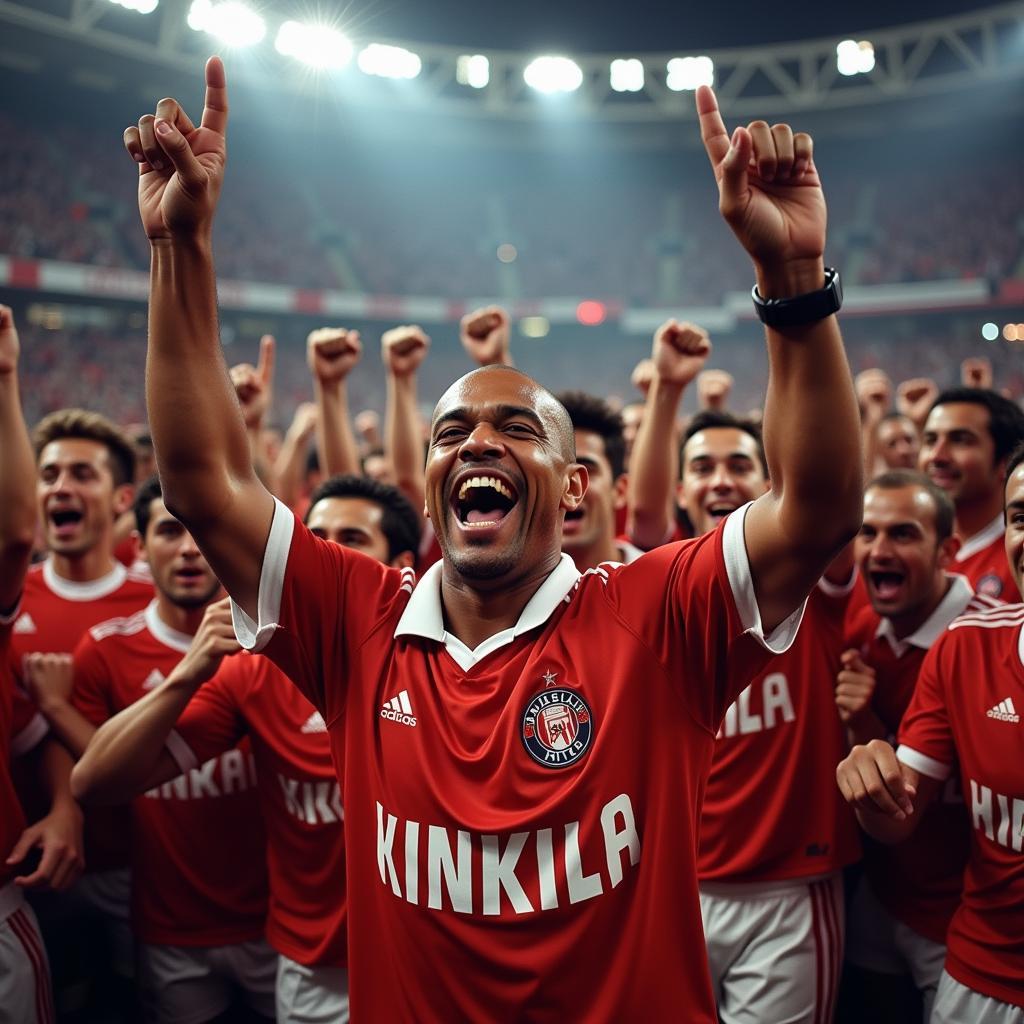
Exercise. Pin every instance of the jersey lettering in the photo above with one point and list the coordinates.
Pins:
(315, 803)
(1000, 817)
(776, 707)
(237, 773)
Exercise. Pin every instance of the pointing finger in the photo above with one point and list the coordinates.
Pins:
(268, 353)
(712, 127)
(215, 107)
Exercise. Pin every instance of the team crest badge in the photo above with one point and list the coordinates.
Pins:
(557, 726)
(991, 585)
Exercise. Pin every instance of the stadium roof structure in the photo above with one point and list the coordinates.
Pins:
(917, 60)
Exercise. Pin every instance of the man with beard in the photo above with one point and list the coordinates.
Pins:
(521, 749)
(199, 893)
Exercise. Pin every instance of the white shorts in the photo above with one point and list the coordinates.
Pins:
(876, 941)
(25, 994)
(191, 985)
(110, 893)
(958, 1004)
(311, 995)
(775, 949)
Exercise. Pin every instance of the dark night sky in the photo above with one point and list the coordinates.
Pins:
(637, 25)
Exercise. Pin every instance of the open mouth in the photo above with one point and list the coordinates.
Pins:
(886, 583)
(718, 510)
(483, 501)
(65, 520)
(188, 575)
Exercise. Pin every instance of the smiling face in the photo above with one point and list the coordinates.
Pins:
(1014, 538)
(900, 556)
(78, 498)
(721, 471)
(500, 476)
(593, 522)
(179, 570)
(958, 452)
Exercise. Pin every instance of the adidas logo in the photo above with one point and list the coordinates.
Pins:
(25, 624)
(1004, 711)
(399, 709)
(315, 723)
(154, 679)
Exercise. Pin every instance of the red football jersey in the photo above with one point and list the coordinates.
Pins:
(198, 862)
(299, 797)
(982, 560)
(966, 711)
(521, 818)
(919, 881)
(21, 728)
(55, 614)
(782, 737)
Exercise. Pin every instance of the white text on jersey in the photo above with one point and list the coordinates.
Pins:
(776, 707)
(1000, 817)
(315, 803)
(237, 774)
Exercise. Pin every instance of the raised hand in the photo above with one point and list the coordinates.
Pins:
(181, 167)
(332, 352)
(10, 347)
(770, 195)
(855, 686)
(976, 372)
(714, 388)
(872, 779)
(367, 424)
(643, 376)
(874, 393)
(914, 398)
(49, 679)
(680, 351)
(484, 334)
(403, 349)
(304, 421)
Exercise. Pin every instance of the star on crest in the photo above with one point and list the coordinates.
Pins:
(549, 678)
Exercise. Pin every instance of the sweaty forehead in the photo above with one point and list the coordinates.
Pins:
(898, 504)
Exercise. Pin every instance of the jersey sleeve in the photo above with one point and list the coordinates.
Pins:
(90, 689)
(212, 722)
(694, 605)
(926, 741)
(317, 602)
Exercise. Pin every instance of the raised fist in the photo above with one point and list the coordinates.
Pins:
(874, 393)
(332, 352)
(770, 195)
(304, 421)
(714, 388)
(643, 376)
(181, 167)
(10, 347)
(49, 679)
(680, 351)
(484, 334)
(855, 686)
(976, 373)
(403, 349)
(914, 398)
(254, 385)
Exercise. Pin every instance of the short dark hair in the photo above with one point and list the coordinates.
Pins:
(399, 522)
(897, 479)
(588, 412)
(1006, 418)
(1016, 459)
(81, 424)
(890, 416)
(146, 493)
(715, 419)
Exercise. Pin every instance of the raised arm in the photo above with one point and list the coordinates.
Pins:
(771, 197)
(17, 472)
(680, 352)
(403, 349)
(331, 354)
(291, 460)
(202, 450)
(484, 334)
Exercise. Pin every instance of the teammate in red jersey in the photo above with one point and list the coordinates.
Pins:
(769, 865)
(589, 533)
(965, 717)
(521, 750)
(903, 906)
(25, 995)
(299, 795)
(199, 895)
(968, 437)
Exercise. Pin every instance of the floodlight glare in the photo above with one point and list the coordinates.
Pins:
(319, 46)
(535, 326)
(389, 61)
(553, 74)
(688, 73)
(473, 70)
(990, 331)
(139, 6)
(233, 23)
(627, 75)
(853, 58)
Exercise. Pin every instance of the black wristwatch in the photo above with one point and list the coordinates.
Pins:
(801, 309)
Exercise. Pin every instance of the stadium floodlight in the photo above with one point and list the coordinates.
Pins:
(990, 331)
(553, 74)
(139, 6)
(627, 75)
(389, 61)
(688, 73)
(233, 23)
(855, 58)
(319, 46)
(535, 326)
(473, 70)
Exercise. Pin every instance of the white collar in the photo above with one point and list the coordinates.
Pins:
(169, 637)
(982, 539)
(90, 590)
(957, 598)
(424, 617)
